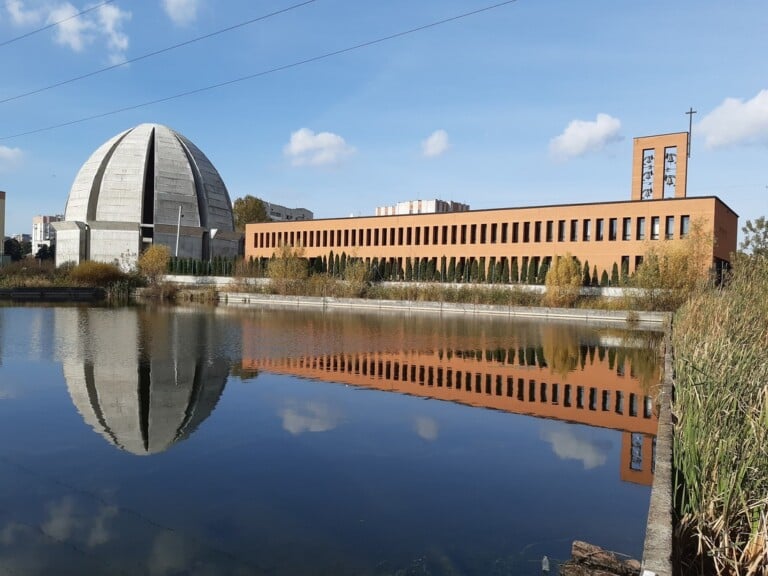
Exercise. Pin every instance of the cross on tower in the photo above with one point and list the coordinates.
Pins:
(690, 114)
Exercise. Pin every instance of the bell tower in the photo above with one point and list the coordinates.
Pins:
(660, 166)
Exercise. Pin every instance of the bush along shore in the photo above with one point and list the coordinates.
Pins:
(720, 339)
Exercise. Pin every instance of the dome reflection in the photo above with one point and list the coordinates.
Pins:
(143, 379)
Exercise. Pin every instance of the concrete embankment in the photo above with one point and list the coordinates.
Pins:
(52, 294)
(656, 319)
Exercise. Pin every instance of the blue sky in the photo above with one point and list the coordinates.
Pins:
(534, 102)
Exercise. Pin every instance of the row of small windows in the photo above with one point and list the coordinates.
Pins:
(573, 230)
(490, 384)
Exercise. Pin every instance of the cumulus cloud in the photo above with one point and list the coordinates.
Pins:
(311, 417)
(181, 12)
(583, 136)
(103, 24)
(568, 446)
(435, 144)
(737, 122)
(426, 428)
(20, 15)
(321, 149)
(9, 157)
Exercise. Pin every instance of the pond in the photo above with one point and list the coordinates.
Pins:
(264, 441)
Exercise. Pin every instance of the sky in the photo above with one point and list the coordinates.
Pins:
(527, 103)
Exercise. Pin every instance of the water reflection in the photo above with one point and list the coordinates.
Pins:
(143, 379)
(555, 371)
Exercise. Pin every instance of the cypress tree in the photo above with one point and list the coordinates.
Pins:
(343, 264)
(473, 270)
(466, 272)
(586, 279)
(422, 269)
(443, 268)
(387, 270)
(515, 274)
(459, 272)
(337, 266)
(452, 270)
(594, 277)
(624, 271)
(481, 270)
(430, 270)
(492, 271)
(408, 270)
(542, 276)
(505, 270)
(615, 275)
(524, 271)
(604, 279)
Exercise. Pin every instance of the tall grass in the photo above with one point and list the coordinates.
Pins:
(721, 434)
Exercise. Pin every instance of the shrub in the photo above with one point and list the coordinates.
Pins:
(96, 274)
(153, 262)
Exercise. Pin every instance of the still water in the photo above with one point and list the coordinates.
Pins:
(215, 441)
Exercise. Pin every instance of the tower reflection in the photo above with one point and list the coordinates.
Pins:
(143, 379)
(544, 370)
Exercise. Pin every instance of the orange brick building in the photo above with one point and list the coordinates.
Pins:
(604, 233)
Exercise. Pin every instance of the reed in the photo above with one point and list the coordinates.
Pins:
(721, 433)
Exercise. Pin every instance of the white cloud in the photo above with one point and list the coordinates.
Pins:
(312, 417)
(103, 24)
(567, 446)
(20, 16)
(181, 12)
(9, 157)
(436, 144)
(583, 136)
(737, 122)
(324, 148)
(73, 32)
(427, 428)
(110, 20)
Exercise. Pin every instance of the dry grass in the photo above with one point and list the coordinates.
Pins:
(721, 435)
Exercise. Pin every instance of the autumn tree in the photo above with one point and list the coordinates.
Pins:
(248, 210)
(563, 281)
(153, 262)
(288, 269)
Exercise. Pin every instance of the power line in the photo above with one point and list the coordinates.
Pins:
(263, 72)
(53, 24)
(156, 52)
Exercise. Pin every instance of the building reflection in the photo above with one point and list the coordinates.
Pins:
(545, 370)
(143, 379)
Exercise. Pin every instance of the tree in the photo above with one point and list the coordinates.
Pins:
(153, 262)
(586, 279)
(615, 275)
(408, 270)
(604, 279)
(595, 277)
(524, 271)
(515, 272)
(755, 237)
(452, 269)
(563, 281)
(12, 248)
(247, 210)
(288, 270)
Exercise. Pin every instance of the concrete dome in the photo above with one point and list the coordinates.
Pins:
(146, 185)
(156, 388)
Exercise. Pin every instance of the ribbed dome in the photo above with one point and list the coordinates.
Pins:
(143, 175)
(147, 185)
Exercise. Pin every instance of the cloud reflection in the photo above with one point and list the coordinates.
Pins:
(426, 428)
(570, 444)
(309, 416)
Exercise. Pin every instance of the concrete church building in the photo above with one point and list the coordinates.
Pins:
(147, 185)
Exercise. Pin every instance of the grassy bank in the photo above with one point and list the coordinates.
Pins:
(721, 434)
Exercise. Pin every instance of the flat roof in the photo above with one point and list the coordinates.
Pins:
(538, 207)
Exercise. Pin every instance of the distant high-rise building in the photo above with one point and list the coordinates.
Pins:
(421, 207)
(282, 214)
(43, 233)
